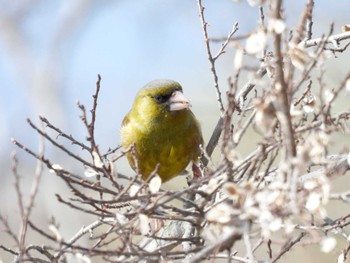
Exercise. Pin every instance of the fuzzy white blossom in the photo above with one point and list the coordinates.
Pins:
(313, 202)
(299, 57)
(256, 43)
(328, 244)
(277, 26)
(220, 213)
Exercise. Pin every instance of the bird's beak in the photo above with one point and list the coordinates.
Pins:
(178, 101)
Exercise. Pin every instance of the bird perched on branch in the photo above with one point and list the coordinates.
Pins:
(163, 131)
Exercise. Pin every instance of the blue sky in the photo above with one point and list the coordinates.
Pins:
(48, 66)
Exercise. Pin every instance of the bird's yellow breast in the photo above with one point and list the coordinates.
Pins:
(172, 142)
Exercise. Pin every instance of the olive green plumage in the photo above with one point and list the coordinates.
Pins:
(163, 130)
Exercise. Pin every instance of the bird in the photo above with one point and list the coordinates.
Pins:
(162, 130)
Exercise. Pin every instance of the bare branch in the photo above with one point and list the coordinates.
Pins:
(334, 40)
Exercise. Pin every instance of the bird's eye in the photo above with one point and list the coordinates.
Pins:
(162, 98)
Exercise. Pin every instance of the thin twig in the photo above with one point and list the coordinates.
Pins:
(210, 56)
(226, 240)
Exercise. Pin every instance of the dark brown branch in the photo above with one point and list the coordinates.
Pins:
(288, 246)
(281, 87)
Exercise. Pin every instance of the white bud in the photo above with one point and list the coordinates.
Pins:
(134, 189)
(238, 61)
(97, 160)
(145, 227)
(55, 168)
(275, 224)
(328, 244)
(154, 184)
(347, 85)
(328, 95)
(309, 103)
(341, 258)
(89, 172)
(122, 219)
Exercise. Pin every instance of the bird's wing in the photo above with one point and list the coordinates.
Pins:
(126, 120)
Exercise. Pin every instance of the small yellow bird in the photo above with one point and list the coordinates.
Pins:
(162, 129)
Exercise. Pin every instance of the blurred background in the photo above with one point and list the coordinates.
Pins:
(52, 51)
